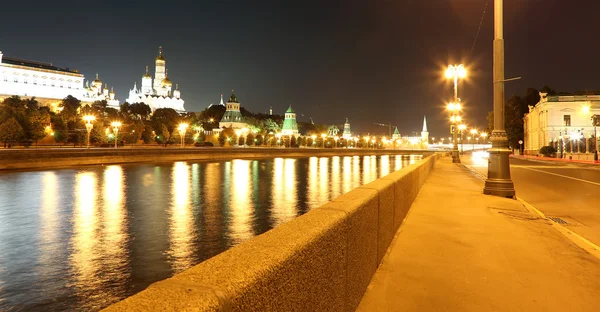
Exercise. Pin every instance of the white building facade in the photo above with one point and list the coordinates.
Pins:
(158, 92)
(564, 122)
(48, 84)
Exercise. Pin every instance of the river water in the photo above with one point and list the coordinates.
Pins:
(83, 238)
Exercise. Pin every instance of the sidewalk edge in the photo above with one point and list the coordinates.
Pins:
(578, 240)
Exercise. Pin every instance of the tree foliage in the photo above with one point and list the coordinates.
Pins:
(11, 132)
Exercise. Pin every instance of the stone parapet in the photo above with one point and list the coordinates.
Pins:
(320, 261)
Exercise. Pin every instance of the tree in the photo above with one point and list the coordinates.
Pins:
(140, 111)
(163, 136)
(148, 134)
(166, 116)
(301, 141)
(293, 141)
(259, 140)
(11, 132)
(270, 125)
(250, 139)
(70, 106)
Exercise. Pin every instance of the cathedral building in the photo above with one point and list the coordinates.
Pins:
(232, 117)
(94, 92)
(158, 92)
(290, 126)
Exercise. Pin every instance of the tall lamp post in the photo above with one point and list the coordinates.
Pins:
(595, 123)
(455, 72)
(498, 181)
(89, 126)
(182, 129)
(473, 134)
(116, 125)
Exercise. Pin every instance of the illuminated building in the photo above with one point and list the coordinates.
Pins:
(290, 126)
(94, 92)
(233, 117)
(557, 119)
(157, 93)
(347, 134)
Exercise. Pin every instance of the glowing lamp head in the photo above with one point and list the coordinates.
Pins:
(116, 124)
(461, 72)
(89, 118)
(473, 131)
(182, 127)
(449, 72)
(323, 135)
(585, 109)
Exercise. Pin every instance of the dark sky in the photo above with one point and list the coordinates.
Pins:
(368, 60)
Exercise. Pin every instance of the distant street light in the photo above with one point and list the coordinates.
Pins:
(182, 129)
(314, 138)
(89, 126)
(335, 138)
(116, 125)
(454, 72)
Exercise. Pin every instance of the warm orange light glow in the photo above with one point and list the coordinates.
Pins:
(89, 118)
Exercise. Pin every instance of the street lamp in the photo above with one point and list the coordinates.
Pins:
(454, 72)
(473, 133)
(116, 125)
(182, 129)
(367, 138)
(89, 126)
(314, 138)
(498, 181)
(595, 123)
(278, 136)
(335, 138)
(462, 128)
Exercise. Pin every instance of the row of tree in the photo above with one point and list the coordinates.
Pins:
(25, 122)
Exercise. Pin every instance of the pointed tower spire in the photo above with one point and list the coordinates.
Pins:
(176, 86)
(424, 123)
(221, 103)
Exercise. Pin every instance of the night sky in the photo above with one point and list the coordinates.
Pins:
(368, 60)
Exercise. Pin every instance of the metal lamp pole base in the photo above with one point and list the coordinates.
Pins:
(455, 157)
(499, 182)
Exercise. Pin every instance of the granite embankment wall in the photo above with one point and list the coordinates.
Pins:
(53, 158)
(320, 261)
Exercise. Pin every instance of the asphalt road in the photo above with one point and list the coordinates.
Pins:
(567, 191)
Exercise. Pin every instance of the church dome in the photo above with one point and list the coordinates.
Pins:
(160, 56)
(97, 81)
(166, 82)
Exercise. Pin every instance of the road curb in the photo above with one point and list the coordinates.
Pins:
(580, 241)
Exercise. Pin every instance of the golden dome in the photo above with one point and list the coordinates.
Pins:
(97, 81)
(160, 56)
(166, 82)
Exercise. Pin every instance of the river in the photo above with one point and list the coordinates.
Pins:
(83, 238)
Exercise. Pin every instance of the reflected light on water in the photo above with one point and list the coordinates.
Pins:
(241, 204)
(313, 182)
(323, 180)
(182, 234)
(384, 166)
(114, 240)
(335, 177)
(84, 257)
(347, 174)
(283, 190)
(398, 162)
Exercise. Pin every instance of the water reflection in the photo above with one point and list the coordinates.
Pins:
(182, 233)
(84, 256)
(241, 206)
(99, 234)
(284, 190)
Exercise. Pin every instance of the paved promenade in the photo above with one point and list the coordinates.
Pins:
(460, 250)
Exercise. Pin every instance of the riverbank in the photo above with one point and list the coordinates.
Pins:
(22, 159)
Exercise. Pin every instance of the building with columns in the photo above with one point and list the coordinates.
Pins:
(290, 126)
(158, 92)
(232, 117)
(560, 121)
